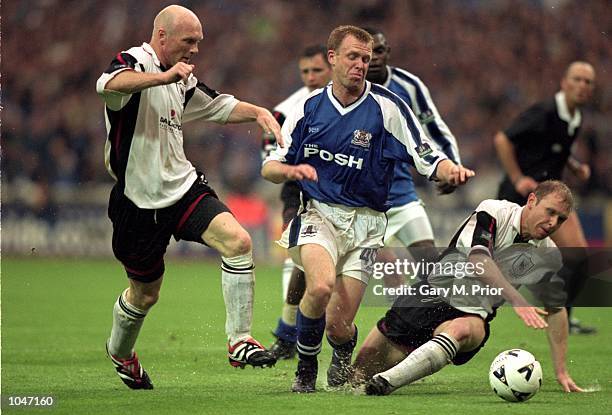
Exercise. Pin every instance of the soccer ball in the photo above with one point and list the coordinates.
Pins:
(515, 375)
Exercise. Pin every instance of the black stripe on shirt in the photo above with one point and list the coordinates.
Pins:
(484, 231)
(122, 60)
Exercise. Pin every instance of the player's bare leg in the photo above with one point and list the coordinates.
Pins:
(376, 354)
(238, 281)
(286, 330)
(341, 330)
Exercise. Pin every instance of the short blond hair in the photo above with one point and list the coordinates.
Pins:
(557, 187)
(339, 33)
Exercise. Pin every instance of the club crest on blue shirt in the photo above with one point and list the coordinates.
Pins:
(423, 150)
(361, 138)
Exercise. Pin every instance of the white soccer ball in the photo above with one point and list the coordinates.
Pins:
(515, 375)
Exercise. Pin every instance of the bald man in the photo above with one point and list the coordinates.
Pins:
(537, 147)
(149, 91)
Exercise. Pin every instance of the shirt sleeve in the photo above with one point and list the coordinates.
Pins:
(405, 130)
(202, 102)
(433, 124)
(123, 61)
(479, 232)
(528, 124)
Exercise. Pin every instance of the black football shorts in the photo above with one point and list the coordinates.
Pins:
(141, 236)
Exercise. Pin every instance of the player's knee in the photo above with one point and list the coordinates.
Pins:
(145, 300)
(320, 291)
(461, 330)
(238, 244)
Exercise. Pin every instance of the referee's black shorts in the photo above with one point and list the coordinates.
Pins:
(411, 322)
(141, 236)
(290, 196)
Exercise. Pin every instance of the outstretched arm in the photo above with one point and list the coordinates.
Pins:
(129, 82)
(493, 276)
(505, 152)
(581, 170)
(557, 340)
(245, 112)
(278, 172)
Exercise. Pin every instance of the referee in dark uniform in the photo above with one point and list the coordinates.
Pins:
(537, 146)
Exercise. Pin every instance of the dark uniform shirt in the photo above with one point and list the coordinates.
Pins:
(542, 137)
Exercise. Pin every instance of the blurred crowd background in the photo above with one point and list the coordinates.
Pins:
(483, 60)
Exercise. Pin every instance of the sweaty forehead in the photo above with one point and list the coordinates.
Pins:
(351, 43)
(556, 202)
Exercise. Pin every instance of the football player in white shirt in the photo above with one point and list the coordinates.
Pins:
(426, 330)
(149, 91)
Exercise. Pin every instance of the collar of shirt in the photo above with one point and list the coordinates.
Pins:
(516, 219)
(338, 105)
(149, 49)
(564, 114)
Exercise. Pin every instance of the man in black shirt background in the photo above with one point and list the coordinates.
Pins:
(537, 147)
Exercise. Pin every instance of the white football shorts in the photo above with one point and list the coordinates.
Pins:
(408, 224)
(350, 235)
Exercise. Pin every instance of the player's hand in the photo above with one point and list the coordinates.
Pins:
(270, 126)
(444, 188)
(567, 383)
(459, 175)
(525, 185)
(301, 172)
(180, 71)
(583, 172)
(531, 316)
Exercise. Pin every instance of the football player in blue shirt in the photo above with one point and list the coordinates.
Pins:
(342, 145)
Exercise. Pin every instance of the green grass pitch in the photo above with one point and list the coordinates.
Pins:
(56, 316)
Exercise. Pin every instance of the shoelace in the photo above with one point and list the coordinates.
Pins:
(131, 364)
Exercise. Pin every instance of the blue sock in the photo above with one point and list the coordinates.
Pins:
(285, 331)
(309, 336)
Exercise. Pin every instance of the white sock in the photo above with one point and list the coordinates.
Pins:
(423, 361)
(287, 271)
(289, 314)
(127, 321)
(238, 282)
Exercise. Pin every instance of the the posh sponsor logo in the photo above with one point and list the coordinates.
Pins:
(313, 150)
